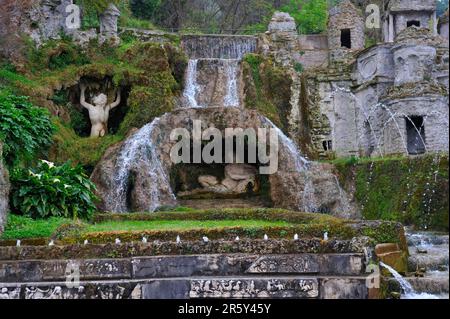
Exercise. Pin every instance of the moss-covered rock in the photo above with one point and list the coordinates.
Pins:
(267, 88)
(413, 191)
(151, 74)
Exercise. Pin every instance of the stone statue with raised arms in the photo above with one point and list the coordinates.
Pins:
(99, 112)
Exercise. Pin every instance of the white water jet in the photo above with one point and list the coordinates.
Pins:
(232, 70)
(140, 151)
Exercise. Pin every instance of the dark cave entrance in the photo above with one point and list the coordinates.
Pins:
(186, 183)
(415, 130)
(346, 38)
(79, 116)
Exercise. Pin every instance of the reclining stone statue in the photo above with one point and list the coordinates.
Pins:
(99, 112)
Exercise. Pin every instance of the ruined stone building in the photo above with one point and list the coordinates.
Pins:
(350, 98)
(389, 98)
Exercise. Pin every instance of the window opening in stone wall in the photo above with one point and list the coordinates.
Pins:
(414, 23)
(416, 135)
(346, 38)
(327, 145)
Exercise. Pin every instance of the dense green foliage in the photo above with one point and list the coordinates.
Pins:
(52, 191)
(310, 15)
(411, 191)
(229, 16)
(25, 129)
(146, 9)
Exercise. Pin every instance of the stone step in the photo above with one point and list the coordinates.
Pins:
(252, 202)
(431, 258)
(432, 285)
(183, 266)
(245, 287)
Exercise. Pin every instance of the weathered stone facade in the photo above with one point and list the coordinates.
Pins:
(443, 26)
(401, 14)
(310, 276)
(47, 19)
(4, 192)
(390, 98)
(345, 31)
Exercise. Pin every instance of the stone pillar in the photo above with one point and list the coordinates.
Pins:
(391, 28)
(4, 192)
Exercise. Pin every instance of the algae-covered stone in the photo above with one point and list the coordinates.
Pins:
(393, 256)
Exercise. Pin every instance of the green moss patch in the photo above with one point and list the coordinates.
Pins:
(267, 89)
(19, 227)
(413, 191)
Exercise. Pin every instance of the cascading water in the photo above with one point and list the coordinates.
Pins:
(232, 70)
(301, 163)
(408, 290)
(191, 89)
(137, 152)
(215, 59)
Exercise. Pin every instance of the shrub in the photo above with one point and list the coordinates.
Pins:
(53, 191)
(25, 129)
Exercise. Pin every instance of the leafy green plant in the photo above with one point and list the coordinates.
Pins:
(25, 129)
(310, 15)
(53, 191)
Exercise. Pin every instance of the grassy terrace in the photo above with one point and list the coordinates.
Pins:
(180, 225)
(192, 225)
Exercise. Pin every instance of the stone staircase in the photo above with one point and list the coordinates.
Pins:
(296, 276)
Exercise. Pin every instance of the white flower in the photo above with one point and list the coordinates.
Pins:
(35, 175)
(50, 164)
(56, 180)
(67, 186)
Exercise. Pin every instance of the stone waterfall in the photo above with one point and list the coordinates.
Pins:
(213, 73)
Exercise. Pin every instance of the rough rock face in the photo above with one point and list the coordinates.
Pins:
(314, 190)
(4, 191)
(49, 16)
(282, 39)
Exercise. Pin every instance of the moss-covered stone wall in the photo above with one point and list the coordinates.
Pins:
(267, 88)
(413, 191)
(150, 74)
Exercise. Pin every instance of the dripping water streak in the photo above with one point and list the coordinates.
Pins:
(301, 163)
(191, 89)
(232, 70)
